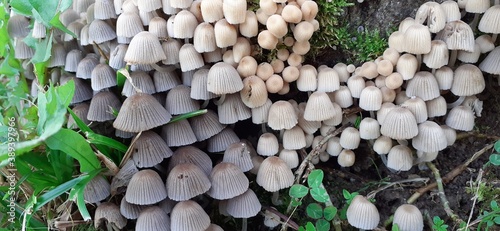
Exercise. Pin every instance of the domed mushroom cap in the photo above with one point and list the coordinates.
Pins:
(370, 98)
(254, 92)
(101, 105)
(400, 158)
(179, 101)
(228, 181)
(150, 150)
(223, 79)
(294, 138)
(423, 85)
(434, 14)
(186, 181)
(206, 125)
(145, 48)
(467, 80)
(281, 115)
(369, 129)
(430, 138)
(100, 31)
(102, 76)
(191, 154)
(178, 133)
(274, 174)
(146, 187)
(399, 123)
(188, 216)
(268, 144)
(141, 112)
(458, 35)
(130, 211)
(460, 118)
(97, 190)
(490, 63)
(153, 218)
(245, 205)
(319, 107)
(408, 217)
(109, 213)
(239, 154)
(362, 214)
(222, 140)
(417, 39)
(490, 22)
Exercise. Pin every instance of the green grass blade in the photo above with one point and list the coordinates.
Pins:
(79, 122)
(188, 115)
(97, 139)
(57, 191)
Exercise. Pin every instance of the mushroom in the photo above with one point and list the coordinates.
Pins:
(149, 150)
(145, 188)
(244, 206)
(273, 175)
(108, 214)
(153, 218)
(178, 133)
(239, 154)
(362, 214)
(96, 190)
(188, 215)
(408, 217)
(223, 79)
(186, 181)
(222, 140)
(102, 106)
(228, 181)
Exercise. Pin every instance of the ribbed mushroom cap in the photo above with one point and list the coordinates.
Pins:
(184, 24)
(109, 213)
(274, 174)
(165, 81)
(97, 190)
(153, 218)
(204, 38)
(467, 80)
(171, 47)
(189, 58)
(370, 98)
(150, 150)
(417, 39)
(470, 57)
(458, 35)
(130, 211)
(369, 129)
(328, 80)
(343, 97)
(116, 56)
(239, 154)
(101, 106)
(423, 85)
(430, 138)
(319, 107)
(146, 187)
(228, 181)
(281, 115)
(407, 66)
(399, 123)
(102, 76)
(245, 205)
(396, 41)
(72, 59)
(294, 138)
(408, 217)
(434, 14)
(333, 146)
(267, 145)
(83, 91)
(178, 100)
(234, 11)
(223, 79)
(436, 107)
(490, 63)
(186, 181)
(100, 31)
(450, 134)
(260, 114)
(444, 77)
(362, 214)
(199, 85)
(140, 79)
(128, 25)
(158, 26)
(307, 80)
(81, 110)
(400, 158)
(104, 9)
(233, 109)
(221, 141)
(211, 10)
(356, 84)
(451, 10)
(277, 25)
(85, 67)
(418, 107)
(490, 22)
(460, 118)
(225, 34)
(191, 154)
(311, 127)
(18, 26)
(249, 28)
(178, 133)
(206, 125)
(189, 216)
(58, 56)
(145, 48)
(141, 112)
(382, 145)
(254, 92)
(291, 157)
(349, 138)
(122, 178)
(438, 56)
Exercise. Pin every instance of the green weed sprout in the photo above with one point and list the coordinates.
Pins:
(438, 224)
(323, 215)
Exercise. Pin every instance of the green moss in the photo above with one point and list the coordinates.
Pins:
(362, 45)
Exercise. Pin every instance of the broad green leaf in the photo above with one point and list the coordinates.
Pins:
(346, 194)
(65, 4)
(188, 115)
(497, 146)
(6, 68)
(322, 225)
(42, 51)
(495, 159)
(302, 228)
(57, 191)
(77, 194)
(437, 220)
(497, 220)
(56, 22)
(314, 210)
(121, 77)
(21, 7)
(63, 165)
(44, 10)
(494, 205)
(52, 108)
(76, 146)
(41, 71)
(329, 212)
(320, 195)
(94, 138)
(310, 227)
(79, 122)
(315, 178)
(298, 191)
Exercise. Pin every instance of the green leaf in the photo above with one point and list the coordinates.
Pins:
(188, 115)
(495, 159)
(94, 138)
(322, 225)
(64, 5)
(346, 194)
(59, 190)
(42, 51)
(121, 77)
(315, 178)
(497, 220)
(497, 146)
(6, 68)
(314, 210)
(296, 203)
(76, 146)
(298, 191)
(395, 227)
(329, 212)
(43, 10)
(320, 195)
(79, 122)
(310, 227)
(437, 220)
(77, 194)
(56, 22)
(21, 6)
(301, 228)
(494, 205)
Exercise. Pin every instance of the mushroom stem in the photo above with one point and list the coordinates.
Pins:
(383, 157)
(419, 61)
(244, 224)
(264, 129)
(474, 22)
(221, 99)
(163, 69)
(494, 36)
(456, 103)
(205, 103)
(453, 58)
(282, 131)
(276, 198)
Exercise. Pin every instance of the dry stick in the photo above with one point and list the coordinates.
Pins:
(451, 175)
(130, 150)
(478, 180)
(477, 135)
(442, 195)
(101, 52)
(373, 193)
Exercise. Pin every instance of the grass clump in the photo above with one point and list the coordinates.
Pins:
(362, 45)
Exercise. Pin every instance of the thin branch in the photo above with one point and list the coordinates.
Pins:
(373, 193)
(478, 180)
(451, 175)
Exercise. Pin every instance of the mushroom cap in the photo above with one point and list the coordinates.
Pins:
(141, 112)
(145, 48)
(128, 24)
(191, 154)
(460, 118)
(245, 205)
(122, 178)
(362, 214)
(130, 211)
(186, 181)
(423, 85)
(382, 145)
(328, 80)
(407, 66)
(458, 35)
(294, 138)
(267, 145)
(249, 28)
(189, 58)
(369, 129)
(417, 39)
(438, 56)
(346, 158)
(490, 63)
(239, 154)
(185, 24)
(274, 174)
(178, 133)
(490, 22)
(146, 187)
(259, 114)
(254, 92)
(102, 76)
(178, 100)
(165, 81)
(223, 79)
(319, 107)
(281, 115)
(204, 38)
(97, 189)
(434, 14)
(399, 123)
(349, 138)
(234, 11)
(436, 107)
(418, 107)
(228, 181)
(101, 105)
(86, 66)
(291, 157)
(188, 215)
(109, 213)
(206, 125)
(100, 31)
(199, 89)
(467, 80)
(233, 109)
(140, 79)
(444, 77)
(400, 158)
(152, 218)
(408, 217)
(222, 140)
(430, 138)
(370, 98)
(343, 97)
(150, 150)
(225, 34)
(211, 10)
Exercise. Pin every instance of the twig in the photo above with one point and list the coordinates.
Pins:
(477, 135)
(130, 150)
(288, 222)
(373, 193)
(478, 180)
(451, 175)
(316, 150)
(442, 195)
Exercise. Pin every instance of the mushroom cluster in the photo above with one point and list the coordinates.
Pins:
(185, 55)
